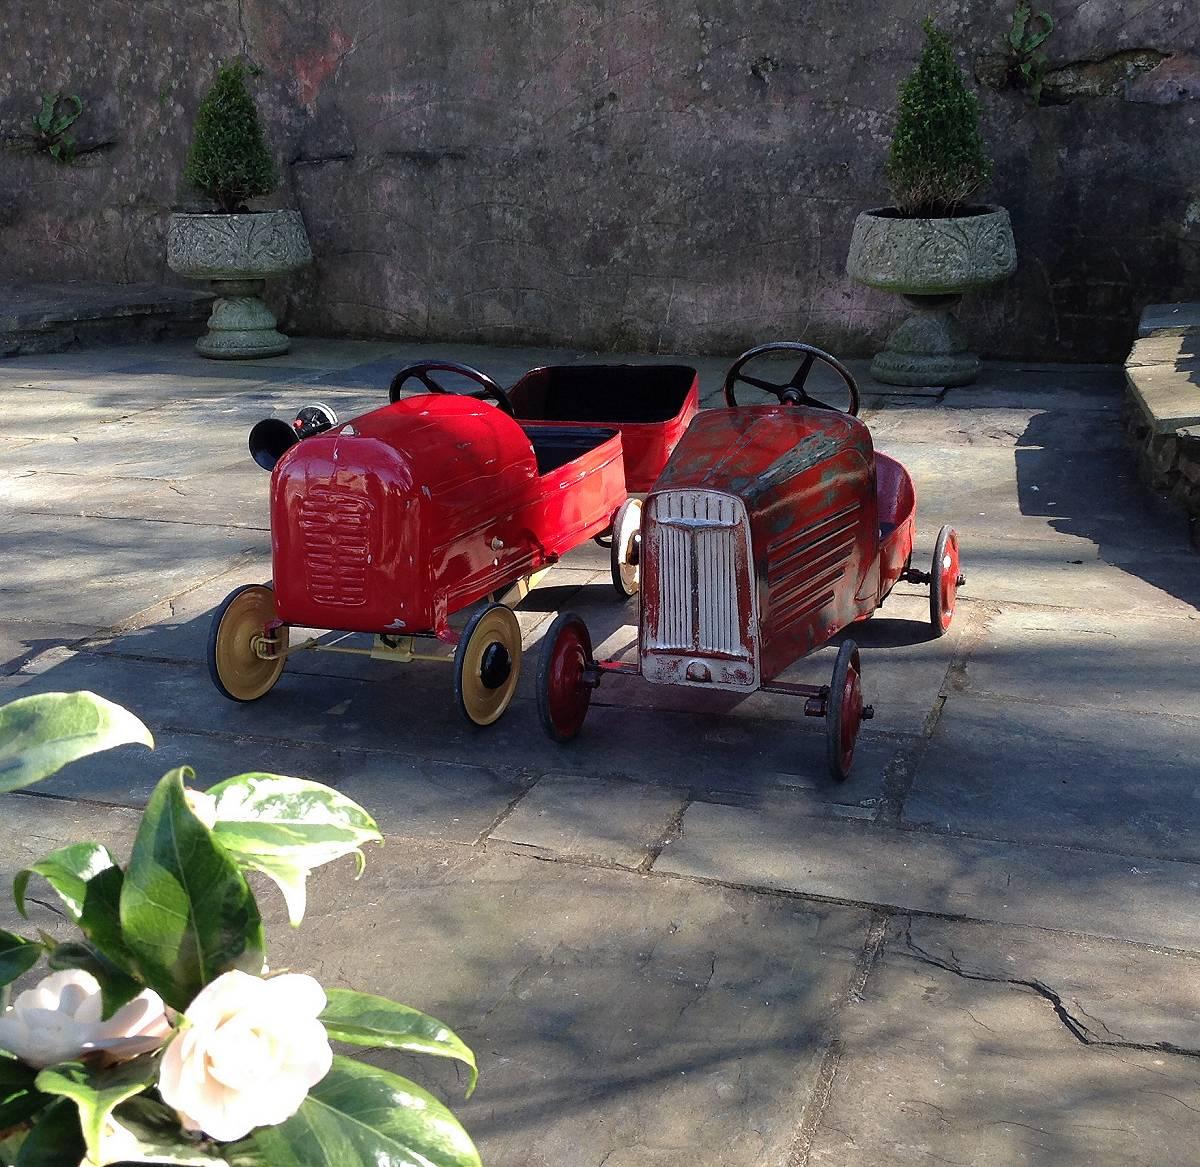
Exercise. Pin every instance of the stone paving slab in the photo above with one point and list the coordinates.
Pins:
(1076, 500)
(1147, 901)
(1038, 772)
(1113, 992)
(589, 818)
(1093, 659)
(1048, 573)
(19, 641)
(409, 798)
(614, 1016)
(940, 1068)
(410, 713)
(1177, 318)
(99, 572)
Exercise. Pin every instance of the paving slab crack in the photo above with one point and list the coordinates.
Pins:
(1073, 1024)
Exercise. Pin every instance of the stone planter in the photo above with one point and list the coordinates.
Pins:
(931, 263)
(238, 253)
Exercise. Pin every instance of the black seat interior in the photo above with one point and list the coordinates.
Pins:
(617, 393)
(554, 446)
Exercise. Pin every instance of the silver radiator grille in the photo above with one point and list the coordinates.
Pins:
(700, 543)
(335, 527)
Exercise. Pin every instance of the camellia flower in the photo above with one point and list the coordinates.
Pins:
(247, 1054)
(58, 1020)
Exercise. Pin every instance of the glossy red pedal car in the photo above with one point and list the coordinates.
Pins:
(771, 530)
(392, 522)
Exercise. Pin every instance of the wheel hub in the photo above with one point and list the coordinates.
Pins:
(496, 666)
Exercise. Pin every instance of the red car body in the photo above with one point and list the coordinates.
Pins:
(771, 529)
(652, 404)
(393, 521)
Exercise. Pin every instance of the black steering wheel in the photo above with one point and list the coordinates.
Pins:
(793, 392)
(420, 370)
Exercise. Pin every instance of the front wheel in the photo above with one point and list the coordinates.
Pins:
(487, 664)
(625, 549)
(944, 581)
(246, 653)
(563, 693)
(843, 711)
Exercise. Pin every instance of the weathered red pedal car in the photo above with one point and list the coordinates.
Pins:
(391, 523)
(772, 529)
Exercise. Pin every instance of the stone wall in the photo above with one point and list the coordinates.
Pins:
(648, 174)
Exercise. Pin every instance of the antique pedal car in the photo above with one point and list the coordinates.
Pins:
(771, 529)
(391, 523)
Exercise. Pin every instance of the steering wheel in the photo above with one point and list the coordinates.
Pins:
(420, 370)
(793, 392)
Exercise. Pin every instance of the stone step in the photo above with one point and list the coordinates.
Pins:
(1162, 416)
(44, 318)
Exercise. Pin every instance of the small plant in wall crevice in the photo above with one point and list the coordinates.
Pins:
(51, 125)
(1025, 60)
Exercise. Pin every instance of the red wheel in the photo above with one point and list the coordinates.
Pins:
(944, 579)
(563, 694)
(843, 711)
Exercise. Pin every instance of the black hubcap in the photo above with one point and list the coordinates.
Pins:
(496, 666)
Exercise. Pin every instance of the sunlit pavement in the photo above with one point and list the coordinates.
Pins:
(675, 940)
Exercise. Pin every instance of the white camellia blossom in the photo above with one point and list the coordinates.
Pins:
(58, 1020)
(247, 1054)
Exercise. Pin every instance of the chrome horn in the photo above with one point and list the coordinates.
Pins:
(272, 437)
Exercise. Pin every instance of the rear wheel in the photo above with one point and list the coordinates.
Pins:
(625, 549)
(843, 711)
(562, 692)
(487, 664)
(944, 579)
(246, 655)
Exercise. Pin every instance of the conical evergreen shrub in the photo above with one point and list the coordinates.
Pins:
(936, 161)
(228, 159)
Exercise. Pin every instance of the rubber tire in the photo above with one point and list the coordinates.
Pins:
(621, 549)
(839, 757)
(460, 657)
(214, 633)
(939, 616)
(562, 728)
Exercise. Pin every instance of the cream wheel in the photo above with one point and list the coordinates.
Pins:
(487, 664)
(625, 550)
(245, 653)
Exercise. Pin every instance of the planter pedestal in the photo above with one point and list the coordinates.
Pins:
(241, 325)
(931, 263)
(929, 348)
(238, 253)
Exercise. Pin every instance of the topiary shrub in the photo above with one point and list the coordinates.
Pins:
(228, 160)
(936, 161)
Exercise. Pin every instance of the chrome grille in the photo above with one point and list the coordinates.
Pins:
(699, 541)
(335, 532)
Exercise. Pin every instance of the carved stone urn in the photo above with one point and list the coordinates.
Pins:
(238, 253)
(931, 263)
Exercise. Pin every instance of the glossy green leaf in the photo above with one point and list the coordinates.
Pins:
(89, 884)
(19, 1098)
(186, 912)
(41, 734)
(360, 1114)
(363, 1019)
(145, 1131)
(284, 827)
(17, 956)
(68, 870)
(96, 1094)
(56, 1140)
